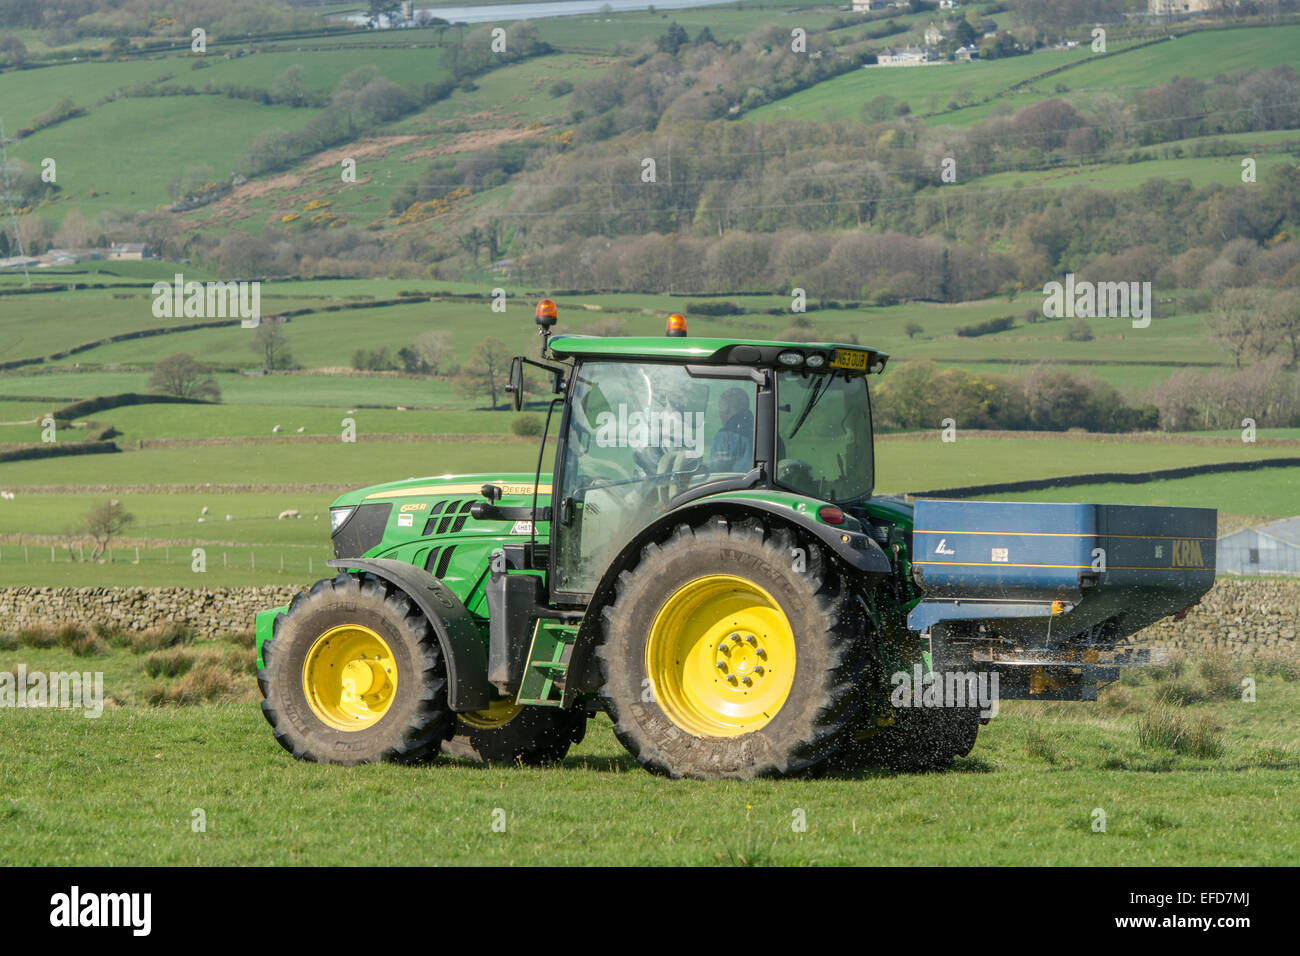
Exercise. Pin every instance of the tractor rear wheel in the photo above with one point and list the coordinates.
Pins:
(732, 651)
(354, 675)
(510, 733)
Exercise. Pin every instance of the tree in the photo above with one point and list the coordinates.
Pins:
(104, 522)
(1236, 321)
(434, 348)
(13, 50)
(913, 329)
(184, 377)
(472, 240)
(485, 374)
(270, 340)
(390, 11)
(288, 87)
(674, 39)
(1283, 325)
(1078, 331)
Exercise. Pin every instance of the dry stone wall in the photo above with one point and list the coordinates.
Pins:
(1238, 615)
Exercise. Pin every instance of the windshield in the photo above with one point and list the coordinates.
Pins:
(639, 435)
(823, 445)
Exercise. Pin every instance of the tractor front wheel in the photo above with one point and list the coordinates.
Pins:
(355, 675)
(732, 650)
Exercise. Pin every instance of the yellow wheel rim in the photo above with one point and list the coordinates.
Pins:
(349, 677)
(498, 714)
(720, 656)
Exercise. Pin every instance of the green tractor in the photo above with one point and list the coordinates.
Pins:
(708, 565)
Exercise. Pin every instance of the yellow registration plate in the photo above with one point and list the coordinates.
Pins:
(850, 359)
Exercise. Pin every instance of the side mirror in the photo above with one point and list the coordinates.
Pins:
(516, 384)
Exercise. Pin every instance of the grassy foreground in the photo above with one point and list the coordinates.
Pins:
(124, 788)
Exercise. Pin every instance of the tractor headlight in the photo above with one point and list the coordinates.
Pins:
(338, 516)
(790, 359)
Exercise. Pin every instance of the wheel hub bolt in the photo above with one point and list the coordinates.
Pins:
(731, 679)
(722, 666)
(747, 681)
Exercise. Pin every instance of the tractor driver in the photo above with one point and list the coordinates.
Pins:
(733, 444)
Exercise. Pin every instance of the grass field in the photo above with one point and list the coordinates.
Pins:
(361, 463)
(1273, 492)
(1198, 171)
(971, 83)
(122, 790)
(37, 325)
(257, 546)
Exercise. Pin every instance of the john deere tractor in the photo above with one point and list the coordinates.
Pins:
(708, 564)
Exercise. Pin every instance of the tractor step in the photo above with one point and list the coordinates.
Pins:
(548, 664)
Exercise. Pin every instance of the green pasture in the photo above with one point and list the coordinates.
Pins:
(321, 68)
(328, 339)
(902, 464)
(926, 89)
(1272, 492)
(930, 89)
(167, 136)
(1199, 171)
(126, 784)
(362, 463)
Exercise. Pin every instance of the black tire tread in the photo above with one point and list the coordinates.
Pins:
(814, 730)
(431, 720)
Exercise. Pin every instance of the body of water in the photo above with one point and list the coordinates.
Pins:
(499, 12)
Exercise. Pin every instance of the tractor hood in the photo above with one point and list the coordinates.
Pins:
(514, 485)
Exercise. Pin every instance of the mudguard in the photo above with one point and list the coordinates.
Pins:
(462, 643)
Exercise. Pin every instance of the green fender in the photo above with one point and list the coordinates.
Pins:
(462, 644)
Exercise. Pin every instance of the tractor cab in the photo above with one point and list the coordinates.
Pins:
(649, 425)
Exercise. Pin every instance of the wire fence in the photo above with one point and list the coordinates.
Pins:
(198, 558)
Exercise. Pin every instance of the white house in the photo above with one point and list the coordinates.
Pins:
(909, 56)
(1184, 6)
(1272, 548)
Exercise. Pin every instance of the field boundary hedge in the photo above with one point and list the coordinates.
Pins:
(88, 406)
(56, 450)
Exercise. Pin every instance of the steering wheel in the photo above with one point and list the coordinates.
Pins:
(671, 465)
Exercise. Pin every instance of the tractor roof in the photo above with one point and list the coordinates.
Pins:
(701, 351)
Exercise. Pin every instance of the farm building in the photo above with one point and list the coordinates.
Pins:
(1272, 548)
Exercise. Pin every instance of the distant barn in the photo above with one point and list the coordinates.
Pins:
(1272, 548)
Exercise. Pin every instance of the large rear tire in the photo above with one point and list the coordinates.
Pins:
(513, 734)
(732, 651)
(354, 675)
